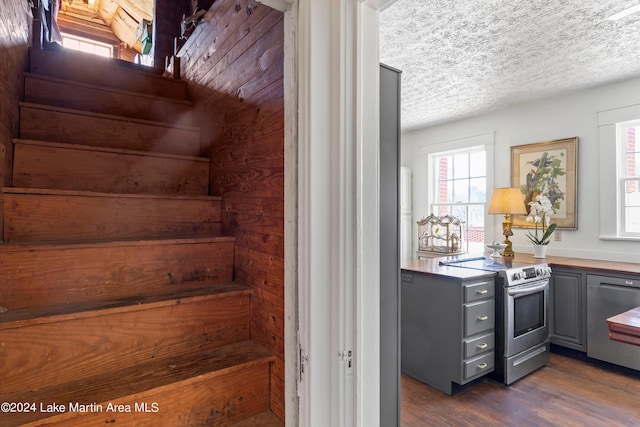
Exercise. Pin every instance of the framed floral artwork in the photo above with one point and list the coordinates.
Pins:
(550, 169)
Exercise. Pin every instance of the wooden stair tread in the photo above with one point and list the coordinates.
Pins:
(150, 97)
(105, 99)
(131, 67)
(109, 150)
(29, 247)
(107, 116)
(54, 192)
(263, 419)
(51, 314)
(129, 385)
(107, 71)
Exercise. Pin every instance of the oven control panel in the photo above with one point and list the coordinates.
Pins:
(529, 274)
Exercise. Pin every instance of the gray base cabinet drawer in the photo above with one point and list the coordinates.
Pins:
(479, 317)
(475, 346)
(479, 366)
(478, 291)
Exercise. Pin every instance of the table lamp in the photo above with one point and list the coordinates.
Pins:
(507, 201)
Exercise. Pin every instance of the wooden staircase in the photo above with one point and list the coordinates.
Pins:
(116, 287)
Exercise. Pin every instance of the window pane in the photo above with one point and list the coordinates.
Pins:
(478, 164)
(460, 211)
(444, 192)
(103, 51)
(70, 43)
(478, 190)
(461, 191)
(443, 210)
(633, 165)
(476, 216)
(461, 166)
(632, 193)
(444, 168)
(632, 220)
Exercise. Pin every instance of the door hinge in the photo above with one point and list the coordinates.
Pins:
(304, 360)
(346, 356)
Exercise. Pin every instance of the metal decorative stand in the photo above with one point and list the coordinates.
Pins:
(440, 235)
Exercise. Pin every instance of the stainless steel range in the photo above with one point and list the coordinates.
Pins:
(522, 319)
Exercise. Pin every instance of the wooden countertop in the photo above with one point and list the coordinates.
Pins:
(432, 266)
(594, 264)
(625, 327)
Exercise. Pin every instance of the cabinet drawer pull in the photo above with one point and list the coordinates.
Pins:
(483, 345)
(482, 291)
(482, 365)
(483, 317)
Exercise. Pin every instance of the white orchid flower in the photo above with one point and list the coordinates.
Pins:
(540, 212)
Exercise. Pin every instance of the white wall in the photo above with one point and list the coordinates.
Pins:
(566, 116)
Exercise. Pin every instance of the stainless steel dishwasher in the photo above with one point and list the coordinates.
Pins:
(606, 297)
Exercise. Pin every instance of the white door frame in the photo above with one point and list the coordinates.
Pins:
(331, 81)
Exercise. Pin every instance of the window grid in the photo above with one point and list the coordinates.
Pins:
(630, 180)
(460, 190)
(86, 45)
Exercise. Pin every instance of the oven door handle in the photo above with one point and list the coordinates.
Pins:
(524, 290)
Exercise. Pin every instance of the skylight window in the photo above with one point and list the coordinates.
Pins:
(86, 45)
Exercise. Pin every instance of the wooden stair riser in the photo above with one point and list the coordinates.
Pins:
(102, 71)
(109, 340)
(74, 127)
(215, 399)
(34, 217)
(42, 276)
(65, 167)
(68, 94)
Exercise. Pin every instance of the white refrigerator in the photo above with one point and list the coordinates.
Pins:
(406, 225)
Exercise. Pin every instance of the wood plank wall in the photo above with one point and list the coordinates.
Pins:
(15, 30)
(167, 27)
(233, 62)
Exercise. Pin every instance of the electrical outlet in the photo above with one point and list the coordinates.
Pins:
(557, 236)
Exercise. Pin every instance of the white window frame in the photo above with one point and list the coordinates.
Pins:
(621, 176)
(608, 122)
(485, 141)
(434, 204)
(88, 41)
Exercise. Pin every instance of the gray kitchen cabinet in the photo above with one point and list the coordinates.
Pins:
(567, 308)
(447, 329)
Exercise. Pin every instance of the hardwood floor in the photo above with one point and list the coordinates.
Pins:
(567, 392)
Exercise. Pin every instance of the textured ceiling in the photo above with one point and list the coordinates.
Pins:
(460, 58)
